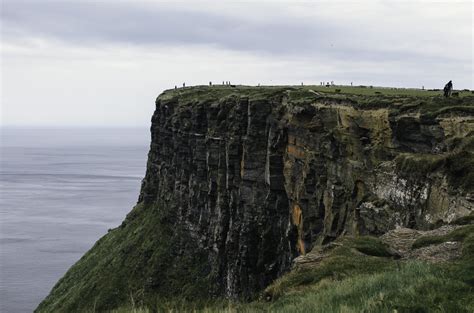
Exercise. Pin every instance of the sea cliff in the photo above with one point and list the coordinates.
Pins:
(241, 181)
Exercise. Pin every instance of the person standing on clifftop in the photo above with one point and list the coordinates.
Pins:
(448, 88)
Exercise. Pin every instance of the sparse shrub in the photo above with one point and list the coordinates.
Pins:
(338, 90)
(455, 94)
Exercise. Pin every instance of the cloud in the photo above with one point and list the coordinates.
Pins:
(72, 62)
(131, 23)
(362, 30)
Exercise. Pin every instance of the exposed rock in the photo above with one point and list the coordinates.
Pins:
(402, 239)
(259, 180)
(446, 251)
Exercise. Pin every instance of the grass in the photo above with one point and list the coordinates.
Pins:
(457, 235)
(415, 287)
(137, 260)
(418, 163)
(371, 246)
(464, 220)
(465, 268)
(460, 169)
(361, 255)
(430, 101)
(348, 281)
(368, 91)
(458, 165)
(181, 307)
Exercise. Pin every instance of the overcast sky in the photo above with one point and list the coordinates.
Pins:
(102, 63)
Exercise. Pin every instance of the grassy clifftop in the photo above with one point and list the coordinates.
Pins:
(424, 100)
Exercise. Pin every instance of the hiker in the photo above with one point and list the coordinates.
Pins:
(210, 83)
(184, 85)
(448, 88)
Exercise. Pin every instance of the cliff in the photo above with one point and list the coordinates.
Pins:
(241, 181)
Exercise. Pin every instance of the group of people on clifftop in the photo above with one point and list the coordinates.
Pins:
(447, 90)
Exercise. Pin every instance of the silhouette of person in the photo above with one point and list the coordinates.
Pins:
(448, 88)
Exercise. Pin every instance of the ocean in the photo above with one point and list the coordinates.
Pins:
(60, 191)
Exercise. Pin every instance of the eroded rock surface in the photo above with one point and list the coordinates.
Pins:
(402, 239)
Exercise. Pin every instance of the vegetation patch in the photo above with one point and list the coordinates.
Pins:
(456, 235)
(464, 220)
(372, 246)
(457, 165)
(342, 261)
(418, 164)
(414, 287)
(460, 169)
(138, 261)
(347, 281)
(467, 109)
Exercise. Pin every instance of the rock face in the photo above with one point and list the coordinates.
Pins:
(258, 180)
(218, 165)
(246, 179)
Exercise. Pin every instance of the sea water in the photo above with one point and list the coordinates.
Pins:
(60, 191)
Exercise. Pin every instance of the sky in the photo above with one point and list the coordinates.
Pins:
(91, 63)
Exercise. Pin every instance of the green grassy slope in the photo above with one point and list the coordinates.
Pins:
(361, 275)
(133, 262)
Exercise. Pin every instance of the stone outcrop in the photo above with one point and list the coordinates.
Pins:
(255, 177)
(402, 239)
